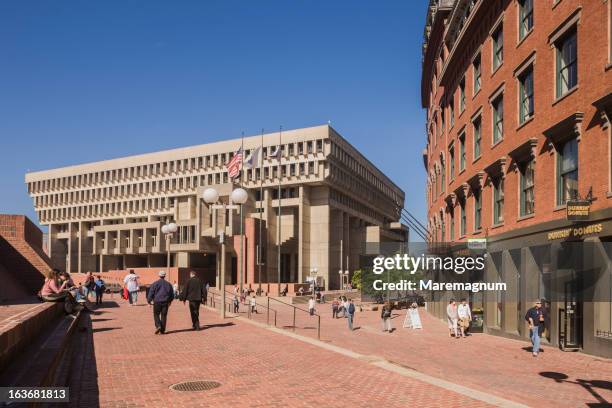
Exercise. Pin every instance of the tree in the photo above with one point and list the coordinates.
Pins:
(356, 279)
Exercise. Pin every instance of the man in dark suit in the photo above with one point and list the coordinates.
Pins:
(195, 293)
(161, 294)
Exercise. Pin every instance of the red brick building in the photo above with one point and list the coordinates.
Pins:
(519, 102)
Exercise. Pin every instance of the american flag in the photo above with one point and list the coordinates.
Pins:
(234, 165)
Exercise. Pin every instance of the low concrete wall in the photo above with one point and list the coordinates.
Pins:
(19, 330)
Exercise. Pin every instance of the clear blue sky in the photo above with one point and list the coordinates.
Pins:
(87, 81)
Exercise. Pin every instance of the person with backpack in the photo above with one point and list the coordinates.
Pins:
(99, 288)
(350, 312)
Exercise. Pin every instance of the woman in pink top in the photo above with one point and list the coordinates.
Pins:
(51, 291)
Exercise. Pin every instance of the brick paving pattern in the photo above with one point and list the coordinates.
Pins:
(121, 363)
(483, 362)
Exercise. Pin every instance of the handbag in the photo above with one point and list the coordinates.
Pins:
(125, 294)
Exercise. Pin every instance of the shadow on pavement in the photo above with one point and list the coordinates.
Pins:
(83, 375)
(530, 349)
(212, 326)
(103, 329)
(588, 385)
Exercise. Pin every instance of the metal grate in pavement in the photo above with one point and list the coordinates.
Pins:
(195, 385)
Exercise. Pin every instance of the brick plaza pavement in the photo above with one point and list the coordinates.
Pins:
(120, 362)
(483, 362)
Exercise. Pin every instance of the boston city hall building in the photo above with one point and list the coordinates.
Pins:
(109, 215)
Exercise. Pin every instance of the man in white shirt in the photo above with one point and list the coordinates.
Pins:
(311, 305)
(131, 282)
(465, 316)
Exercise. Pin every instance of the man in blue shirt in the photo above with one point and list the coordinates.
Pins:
(161, 294)
(536, 318)
(351, 314)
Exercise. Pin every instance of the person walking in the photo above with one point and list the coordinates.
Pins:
(88, 285)
(311, 306)
(335, 306)
(465, 316)
(195, 293)
(100, 288)
(161, 294)
(131, 283)
(175, 288)
(452, 316)
(385, 316)
(236, 304)
(536, 318)
(350, 314)
(253, 304)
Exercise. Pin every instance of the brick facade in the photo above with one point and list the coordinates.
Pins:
(590, 124)
(23, 262)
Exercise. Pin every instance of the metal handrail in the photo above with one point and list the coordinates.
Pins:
(229, 303)
(303, 310)
(268, 308)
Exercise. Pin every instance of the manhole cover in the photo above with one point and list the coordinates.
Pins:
(195, 386)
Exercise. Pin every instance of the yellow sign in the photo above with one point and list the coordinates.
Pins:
(575, 231)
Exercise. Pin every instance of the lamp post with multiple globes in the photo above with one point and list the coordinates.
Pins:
(211, 197)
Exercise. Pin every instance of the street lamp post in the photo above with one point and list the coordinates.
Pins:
(313, 277)
(211, 197)
(344, 275)
(168, 230)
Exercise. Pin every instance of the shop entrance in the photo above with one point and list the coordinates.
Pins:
(570, 317)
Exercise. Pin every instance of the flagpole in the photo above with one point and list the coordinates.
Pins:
(241, 217)
(278, 219)
(260, 210)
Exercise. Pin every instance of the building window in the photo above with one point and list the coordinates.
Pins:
(442, 228)
(477, 209)
(477, 137)
(442, 174)
(442, 120)
(451, 160)
(462, 152)
(526, 95)
(498, 119)
(525, 17)
(498, 47)
(452, 224)
(567, 174)
(527, 188)
(451, 112)
(567, 64)
(477, 74)
(463, 218)
(462, 95)
(498, 201)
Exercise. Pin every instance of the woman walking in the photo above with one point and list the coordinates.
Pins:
(385, 316)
